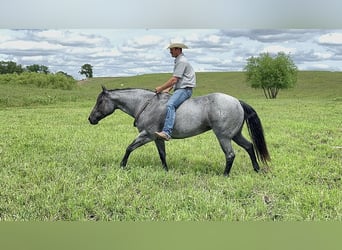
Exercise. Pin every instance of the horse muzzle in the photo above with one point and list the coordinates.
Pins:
(92, 121)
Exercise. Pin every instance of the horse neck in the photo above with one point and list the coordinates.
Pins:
(130, 101)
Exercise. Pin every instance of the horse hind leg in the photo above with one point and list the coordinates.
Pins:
(227, 148)
(248, 146)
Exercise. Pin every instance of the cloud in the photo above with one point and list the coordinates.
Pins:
(22, 48)
(213, 42)
(129, 52)
(143, 42)
(65, 50)
(274, 49)
(322, 55)
(318, 66)
(68, 38)
(4, 38)
(331, 39)
(270, 35)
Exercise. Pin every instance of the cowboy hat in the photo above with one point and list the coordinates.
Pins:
(177, 45)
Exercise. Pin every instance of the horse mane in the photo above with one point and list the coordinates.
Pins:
(112, 90)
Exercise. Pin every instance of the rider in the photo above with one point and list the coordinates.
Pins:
(184, 80)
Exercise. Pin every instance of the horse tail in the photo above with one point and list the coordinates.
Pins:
(256, 132)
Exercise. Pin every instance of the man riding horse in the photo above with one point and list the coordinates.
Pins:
(184, 80)
(221, 113)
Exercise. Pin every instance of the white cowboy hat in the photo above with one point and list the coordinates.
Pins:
(177, 45)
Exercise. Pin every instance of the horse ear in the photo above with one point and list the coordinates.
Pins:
(104, 89)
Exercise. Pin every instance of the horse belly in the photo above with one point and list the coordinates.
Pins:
(189, 123)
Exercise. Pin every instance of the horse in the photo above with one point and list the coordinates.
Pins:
(223, 114)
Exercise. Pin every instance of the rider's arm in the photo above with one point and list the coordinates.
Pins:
(167, 86)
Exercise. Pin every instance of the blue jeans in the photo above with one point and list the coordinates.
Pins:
(178, 97)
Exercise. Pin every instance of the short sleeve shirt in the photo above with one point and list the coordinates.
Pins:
(184, 71)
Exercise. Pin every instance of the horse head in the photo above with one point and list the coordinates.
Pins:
(104, 106)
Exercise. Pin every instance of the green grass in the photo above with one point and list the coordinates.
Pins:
(55, 166)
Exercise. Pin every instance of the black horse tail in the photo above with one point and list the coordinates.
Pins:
(256, 132)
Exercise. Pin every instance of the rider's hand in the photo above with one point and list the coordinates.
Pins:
(158, 89)
(167, 90)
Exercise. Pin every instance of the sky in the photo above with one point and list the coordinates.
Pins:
(125, 38)
(127, 52)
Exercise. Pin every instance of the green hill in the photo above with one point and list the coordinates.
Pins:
(311, 84)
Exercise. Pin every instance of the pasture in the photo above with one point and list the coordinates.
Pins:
(55, 166)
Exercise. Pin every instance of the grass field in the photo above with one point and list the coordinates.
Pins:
(55, 166)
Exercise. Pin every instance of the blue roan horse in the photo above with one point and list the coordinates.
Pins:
(224, 114)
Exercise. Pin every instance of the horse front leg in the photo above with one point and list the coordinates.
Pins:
(141, 140)
(162, 153)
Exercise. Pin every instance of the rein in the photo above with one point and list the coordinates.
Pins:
(142, 110)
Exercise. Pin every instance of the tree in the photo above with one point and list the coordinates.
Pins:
(10, 68)
(86, 70)
(271, 73)
(65, 74)
(38, 68)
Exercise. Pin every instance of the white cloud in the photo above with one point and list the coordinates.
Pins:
(214, 39)
(106, 53)
(331, 38)
(4, 38)
(323, 55)
(37, 59)
(129, 52)
(70, 38)
(29, 47)
(145, 41)
(274, 49)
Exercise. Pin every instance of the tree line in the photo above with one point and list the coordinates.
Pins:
(10, 67)
(270, 73)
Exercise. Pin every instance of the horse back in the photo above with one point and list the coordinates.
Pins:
(213, 111)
